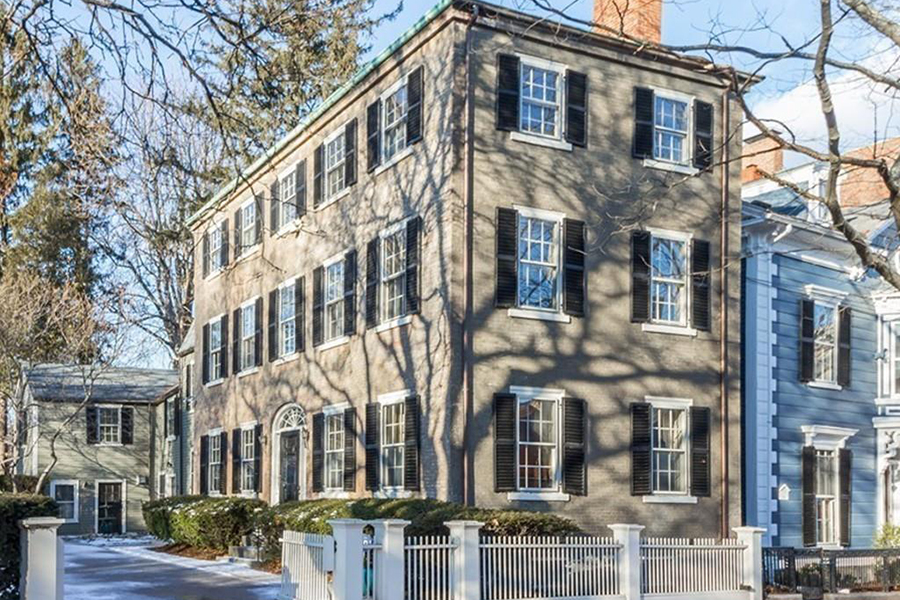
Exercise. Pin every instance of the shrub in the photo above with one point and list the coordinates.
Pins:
(888, 536)
(24, 483)
(202, 522)
(14, 508)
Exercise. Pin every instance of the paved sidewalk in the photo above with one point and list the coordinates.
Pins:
(98, 571)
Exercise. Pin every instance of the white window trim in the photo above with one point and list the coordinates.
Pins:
(218, 380)
(686, 167)
(248, 250)
(826, 437)
(338, 341)
(248, 304)
(530, 312)
(685, 497)
(283, 358)
(815, 293)
(557, 142)
(75, 495)
(389, 399)
(344, 338)
(683, 328)
(526, 394)
(407, 150)
(118, 409)
(392, 397)
(217, 226)
(286, 173)
(124, 483)
(217, 432)
(333, 409)
(326, 199)
(244, 427)
(330, 411)
(384, 325)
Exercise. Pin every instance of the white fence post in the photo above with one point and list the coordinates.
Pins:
(348, 559)
(466, 559)
(390, 559)
(751, 537)
(629, 536)
(42, 559)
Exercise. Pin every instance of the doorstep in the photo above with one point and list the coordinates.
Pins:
(862, 596)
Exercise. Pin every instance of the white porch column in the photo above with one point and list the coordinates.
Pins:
(629, 536)
(466, 559)
(751, 537)
(42, 559)
(348, 559)
(390, 560)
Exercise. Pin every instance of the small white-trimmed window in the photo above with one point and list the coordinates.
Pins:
(541, 89)
(215, 349)
(287, 323)
(392, 444)
(393, 274)
(248, 458)
(538, 434)
(215, 461)
(826, 496)
(669, 278)
(825, 353)
(248, 335)
(334, 451)
(248, 224)
(671, 124)
(335, 181)
(334, 300)
(538, 259)
(669, 449)
(287, 190)
(109, 425)
(65, 493)
(395, 107)
(216, 240)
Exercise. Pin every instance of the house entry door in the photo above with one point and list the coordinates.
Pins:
(290, 466)
(109, 508)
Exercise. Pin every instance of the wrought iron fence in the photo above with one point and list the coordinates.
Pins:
(810, 569)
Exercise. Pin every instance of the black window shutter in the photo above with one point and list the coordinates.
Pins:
(224, 346)
(350, 450)
(642, 145)
(700, 446)
(807, 339)
(224, 250)
(843, 330)
(701, 314)
(318, 177)
(300, 313)
(640, 277)
(703, 134)
(507, 92)
(411, 444)
(300, 188)
(273, 324)
(373, 278)
(204, 249)
(373, 136)
(236, 343)
(274, 208)
(176, 406)
(505, 442)
(236, 460)
(318, 307)
(574, 255)
(413, 260)
(373, 450)
(350, 153)
(238, 225)
(205, 357)
(257, 458)
(640, 449)
(204, 464)
(414, 103)
(574, 446)
(507, 276)
(845, 489)
(350, 293)
(91, 416)
(260, 219)
(223, 466)
(576, 108)
(258, 333)
(808, 491)
(318, 456)
(127, 416)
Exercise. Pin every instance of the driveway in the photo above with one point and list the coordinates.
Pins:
(105, 569)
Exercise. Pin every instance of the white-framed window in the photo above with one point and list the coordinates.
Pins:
(248, 224)
(248, 458)
(215, 461)
(188, 380)
(65, 492)
(669, 435)
(216, 345)
(335, 180)
(669, 273)
(394, 107)
(537, 442)
(826, 496)
(393, 438)
(539, 247)
(287, 191)
(287, 323)
(216, 240)
(671, 127)
(541, 88)
(334, 299)
(248, 335)
(170, 416)
(825, 353)
(109, 424)
(393, 273)
(334, 451)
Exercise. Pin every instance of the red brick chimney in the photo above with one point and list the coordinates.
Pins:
(641, 19)
(859, 187)
(760, 153)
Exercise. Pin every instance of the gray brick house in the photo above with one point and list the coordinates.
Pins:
(496, 267)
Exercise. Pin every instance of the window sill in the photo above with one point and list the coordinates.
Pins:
(670, 329)
(538, 496)
(248, 254)
(251, 495)
(393, 493)
(538, 315)
(214, 274)
(394, 323)
(344, 192)
(109, 444)
(661, 165)
(824, 385)
(670, 499)
(393, 161)
(334, 343)
(288, 228)
(281, 360)
(214, 383)
(249, 371)
(537, 140)
(335, 494)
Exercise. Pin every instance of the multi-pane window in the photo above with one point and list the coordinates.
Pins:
(334, 451)
(670, 120)
(668, 288)
(216, 239)
(334, 300)
(540, 100)
(392, 440)
(109, 425)
(65, 495)
(669, 450)
(248, 459)
(248, 336)
(287, 190)
(393, 275)
(215, 350)
(248, 225)
(334, 166)
(538, 263)
(287, 324)
(825, 342)
(826, 496)
(170, 452)
(170, 417)
(395, 106)
(537, 444)
(215, 462)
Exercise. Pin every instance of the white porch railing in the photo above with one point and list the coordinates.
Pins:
(681, 566)
(306, 560)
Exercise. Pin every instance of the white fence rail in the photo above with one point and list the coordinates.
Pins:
(682, 566)
(306, 560)
(429, 568)
(370, 572)
(524, 568)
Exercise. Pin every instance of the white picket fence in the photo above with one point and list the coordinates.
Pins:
(468, 566)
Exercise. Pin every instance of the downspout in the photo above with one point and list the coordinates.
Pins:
(723, 321)
(468, 192)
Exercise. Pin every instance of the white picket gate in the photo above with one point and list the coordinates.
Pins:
(429, 567)
(306, 560)
(683, 566)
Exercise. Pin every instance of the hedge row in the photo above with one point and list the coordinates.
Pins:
(14, 508)
(220, 522)
(24, 483)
